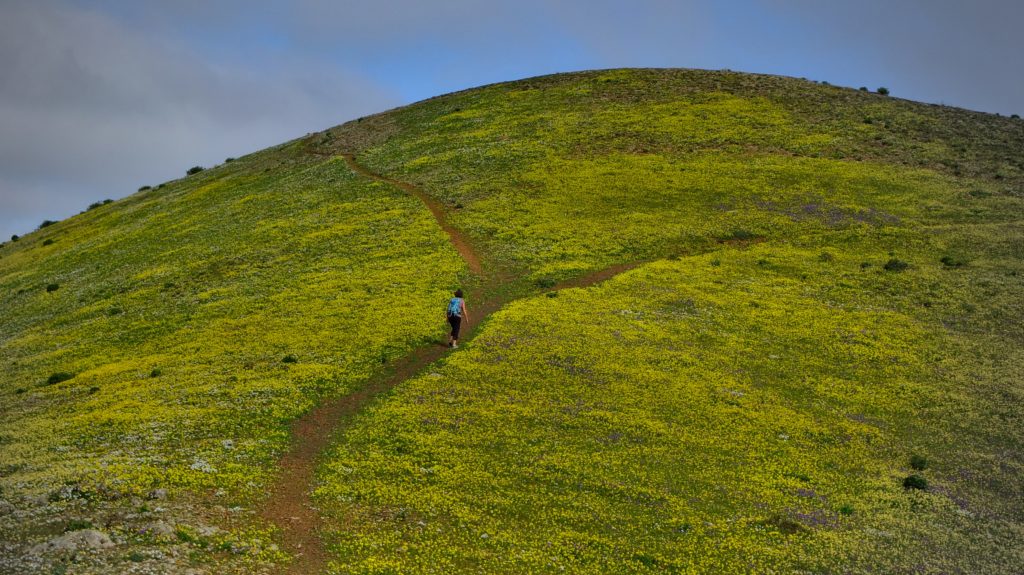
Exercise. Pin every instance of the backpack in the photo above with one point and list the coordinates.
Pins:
(455, 307)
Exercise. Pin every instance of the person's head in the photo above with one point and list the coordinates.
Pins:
(458, 293)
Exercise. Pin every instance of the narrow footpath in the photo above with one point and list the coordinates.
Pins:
(289, 505)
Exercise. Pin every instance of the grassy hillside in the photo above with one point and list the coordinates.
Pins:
(833, 301)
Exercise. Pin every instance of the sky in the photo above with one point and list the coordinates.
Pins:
(98, 98)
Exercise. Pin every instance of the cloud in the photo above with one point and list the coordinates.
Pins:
(91, 108)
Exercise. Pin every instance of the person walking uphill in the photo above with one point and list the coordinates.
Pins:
(456, 313)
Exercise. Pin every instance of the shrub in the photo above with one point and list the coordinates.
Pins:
(915, 482)
(865, 265)
(918, 462)
(20, 390)
(895, 265)
(952, 262)
(108, 201)
(1015, 116)
(290, 359)
(545, 283)
(739, 234)
(15, 238)
(883, 91)
(93, 389)
(52, 287)
(59, 377)
(136, 557)
(48, 242)
(156, 372)
(46, 223)
(144, 188)
(826, 257)
(194, 170)
(846, 510)
(863, 88)
(78, 525)
(228, 160)
(715, 263)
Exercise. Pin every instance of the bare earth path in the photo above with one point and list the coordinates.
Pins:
(289, 504)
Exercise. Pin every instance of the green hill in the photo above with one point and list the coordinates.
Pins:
(815, 366)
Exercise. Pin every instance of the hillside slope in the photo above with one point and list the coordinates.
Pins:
(834, 290)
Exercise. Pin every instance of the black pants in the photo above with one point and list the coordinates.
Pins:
(456, 323)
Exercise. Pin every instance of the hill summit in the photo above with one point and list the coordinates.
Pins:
(719, 323)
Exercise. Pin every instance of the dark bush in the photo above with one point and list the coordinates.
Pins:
(228, 160)
(863, 88)
(895, 265)
(52, 287)
(107, 201)
(545, 283)
(290, 359)
(846, 510)
(883, 91)
(144, 188)
(46, 223)
(194, 170)
(156, 372)
(952, 261)
(93, 390)
(95, 205)
(48, 242)
(915, 482)
(20, 390)
(739, 235)
(59, 377)
(918, 462)
(15, 238)
(136, 557)
(552, 294)
(78, 525)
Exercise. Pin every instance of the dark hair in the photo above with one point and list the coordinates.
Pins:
(458, 293)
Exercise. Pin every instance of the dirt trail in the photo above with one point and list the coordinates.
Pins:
(289, 504)
(459, 240)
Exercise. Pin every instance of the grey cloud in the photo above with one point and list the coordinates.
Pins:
(90, 108)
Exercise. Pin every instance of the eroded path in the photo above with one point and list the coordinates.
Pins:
(289, 504)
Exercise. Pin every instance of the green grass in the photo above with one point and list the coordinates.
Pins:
(750, 400)
(158, 364)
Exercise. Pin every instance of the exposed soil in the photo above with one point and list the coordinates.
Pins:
(459, 240)
(289, 505)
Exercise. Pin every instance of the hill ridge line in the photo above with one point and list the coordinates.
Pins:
(289, 505)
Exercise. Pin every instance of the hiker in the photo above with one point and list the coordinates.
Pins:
(456, 313)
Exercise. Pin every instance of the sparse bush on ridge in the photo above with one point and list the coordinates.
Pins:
(895, 265)
(194, 170)
(952, 261)
(46, 224)
(59, 377)
(144, 188)
(228, 160)
(883, 91)
(15, 238)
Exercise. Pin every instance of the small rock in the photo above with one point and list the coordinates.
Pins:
(207, 530)
(159, 529)
(157, 494)
(6, 508)
(75, 541)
